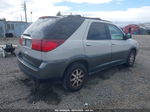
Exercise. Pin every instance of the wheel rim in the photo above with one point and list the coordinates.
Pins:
(77, 78)
(131, 58)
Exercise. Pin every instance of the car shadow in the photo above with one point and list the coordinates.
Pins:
(42, 91)
(51, 93)
(105, 74)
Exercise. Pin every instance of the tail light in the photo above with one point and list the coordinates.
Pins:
(45, 45)
(36, 44)
(21, 41)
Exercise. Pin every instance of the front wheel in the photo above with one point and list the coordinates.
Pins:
(131, 58)
(75, 77)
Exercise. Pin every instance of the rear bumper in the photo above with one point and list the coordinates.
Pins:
(46, 70)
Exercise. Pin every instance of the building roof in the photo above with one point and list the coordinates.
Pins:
(3, 19)
(18, 21)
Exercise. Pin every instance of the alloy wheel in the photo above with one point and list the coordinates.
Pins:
(77, 78)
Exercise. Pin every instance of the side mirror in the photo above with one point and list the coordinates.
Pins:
(127, 36)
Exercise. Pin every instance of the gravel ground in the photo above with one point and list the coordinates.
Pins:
(118, 87)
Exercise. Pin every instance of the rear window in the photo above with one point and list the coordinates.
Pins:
(40, 28)
(54, 28)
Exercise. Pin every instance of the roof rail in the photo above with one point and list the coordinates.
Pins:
(71, 16)
(96, 19)
(43, 17)
(106, 20)
(92, 18)
(86, 17)
(74, 16)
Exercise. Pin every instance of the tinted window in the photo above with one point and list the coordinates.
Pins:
(52, 28)
(115, 32)
(97, 31)
(65, 27)
(40, 28)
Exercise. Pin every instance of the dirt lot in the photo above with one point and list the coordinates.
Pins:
(118, 87)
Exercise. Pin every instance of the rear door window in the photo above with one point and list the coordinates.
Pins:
(97, 31)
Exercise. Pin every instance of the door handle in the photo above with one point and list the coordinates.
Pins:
(88, 44)
(113, 44)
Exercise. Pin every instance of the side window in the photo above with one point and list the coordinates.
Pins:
(97, 31)
(64, 28)
(115, 32)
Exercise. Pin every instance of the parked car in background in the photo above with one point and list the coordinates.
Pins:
(72, 47)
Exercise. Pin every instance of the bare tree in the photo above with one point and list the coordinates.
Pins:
(58, 14)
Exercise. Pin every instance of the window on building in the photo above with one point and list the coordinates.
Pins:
(10, 26)
(1, 32)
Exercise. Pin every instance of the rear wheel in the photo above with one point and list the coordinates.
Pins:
(75, 77)
(131, 58)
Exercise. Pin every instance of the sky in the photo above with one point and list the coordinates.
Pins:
(112, 10)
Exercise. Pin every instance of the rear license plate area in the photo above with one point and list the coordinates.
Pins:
(27, 42)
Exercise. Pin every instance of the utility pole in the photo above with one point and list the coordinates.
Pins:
(25, 10)
(21, 17)
(31, 16)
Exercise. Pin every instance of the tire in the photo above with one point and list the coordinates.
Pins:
(75, 77)
(131, 58)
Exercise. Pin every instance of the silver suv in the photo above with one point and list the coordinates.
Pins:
(72, 47)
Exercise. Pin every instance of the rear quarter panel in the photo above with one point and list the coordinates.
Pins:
(73, 46)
